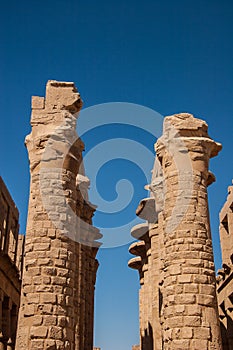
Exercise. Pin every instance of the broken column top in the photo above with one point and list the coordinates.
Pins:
(59, 95)
(187, 125)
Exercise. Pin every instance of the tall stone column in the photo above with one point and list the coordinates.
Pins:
(1, 328)
(6, 323)
(148, 262)
(50, 310)
(155, 285)
(139, 263)
(189, 293)
(225, 274)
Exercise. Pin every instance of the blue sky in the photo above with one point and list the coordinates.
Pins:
(171, 56)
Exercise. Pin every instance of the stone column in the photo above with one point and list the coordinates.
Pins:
(1, 328)
(226, 228)
(141, 263)
(155, 282)
(225, 274)
(148, 262)
(50, 290)
(14, 319)
(145, 339)
(189, 300)
(6, 322)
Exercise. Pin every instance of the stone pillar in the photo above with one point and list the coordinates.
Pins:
(1, 328)
(225, 274)
(141, 263)
(147, 337)
(6, 322)
(189, 299)
(226, 228)
(14, 319)
(155, 285)
(50, 312)
(148, 262)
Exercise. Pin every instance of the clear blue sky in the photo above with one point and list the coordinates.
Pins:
(171, 56)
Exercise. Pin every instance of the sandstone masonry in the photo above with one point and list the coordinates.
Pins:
(173, 253)
(57, 299)
(225, 275)
(11, 259)
(178, 304)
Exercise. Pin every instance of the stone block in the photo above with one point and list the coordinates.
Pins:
(44, 288)
(50, 344)
(37, 344)
(45, 309)
(185, 298)
(193, 310)
(192, 321)
(51, 271)
(63, 272)
(37, 102)
(199, 344)
(200, 279)
(41, 246)
(38, 331)
(179, 310)
(207, 289)
(59, 280)
(33, 298)
(191, 288)
(174, 322)
(29, 310)
(56, 333)
(202, 333)
(187, 333)
(207, 300)
(49, 320)
(175, 269)
(48, 298)
(37, 320)
(183, 344)
(190, 270)
(186, 278)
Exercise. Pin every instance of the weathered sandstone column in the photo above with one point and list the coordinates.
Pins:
(178, 306)
(225, 274)
(140, 263)
(148, 263)
(189, 294)
(59, 218)
(1, 328)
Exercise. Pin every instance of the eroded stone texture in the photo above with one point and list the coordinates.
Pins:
(148, 261)
(57, 298)
(225, 275)
(178, 305)
(11, 260)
